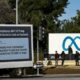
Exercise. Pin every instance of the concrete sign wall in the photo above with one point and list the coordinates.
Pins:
(61, 41)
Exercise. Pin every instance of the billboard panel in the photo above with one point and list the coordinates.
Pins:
(61, 42)
(16, 46)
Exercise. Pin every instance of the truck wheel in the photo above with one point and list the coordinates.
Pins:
(16, 73)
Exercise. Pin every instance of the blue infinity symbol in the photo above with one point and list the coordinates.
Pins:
(73, 42)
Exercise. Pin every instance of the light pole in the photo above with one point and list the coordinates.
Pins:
(17, 12)
(37, 56)
(38, 51)
(17, 22)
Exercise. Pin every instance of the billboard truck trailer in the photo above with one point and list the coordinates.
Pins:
(16, 48)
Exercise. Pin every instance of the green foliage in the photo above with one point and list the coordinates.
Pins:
(7, 15)
(12, 3)
(41, 57)
(73, 25)
(34, 11)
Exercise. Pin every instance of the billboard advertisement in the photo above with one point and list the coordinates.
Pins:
(16, 46)
(62, 41)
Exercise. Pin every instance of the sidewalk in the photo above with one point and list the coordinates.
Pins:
(52, 70)
(66, 62)
(65, 66)
(61, 75)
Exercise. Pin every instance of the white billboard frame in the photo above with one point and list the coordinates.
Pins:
(18, 64)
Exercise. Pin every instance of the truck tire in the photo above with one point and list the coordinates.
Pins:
(16, 73)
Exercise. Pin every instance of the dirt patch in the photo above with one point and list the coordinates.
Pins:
(61, 71)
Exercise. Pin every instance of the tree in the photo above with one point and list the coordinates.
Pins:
(12, 3)
(35, 11)
(73, 25)
(7, 15)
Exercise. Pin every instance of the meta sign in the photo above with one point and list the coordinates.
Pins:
(16, 46)
(62, 41)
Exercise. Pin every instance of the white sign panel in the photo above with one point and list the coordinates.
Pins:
(62, 41)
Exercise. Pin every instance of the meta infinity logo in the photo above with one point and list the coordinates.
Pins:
(72, 42)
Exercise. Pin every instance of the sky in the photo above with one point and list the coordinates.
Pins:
(71, 9)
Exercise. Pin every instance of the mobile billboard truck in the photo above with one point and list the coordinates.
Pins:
(62, 41)
(16, 47)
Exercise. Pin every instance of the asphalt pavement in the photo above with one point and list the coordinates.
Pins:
(43, 78)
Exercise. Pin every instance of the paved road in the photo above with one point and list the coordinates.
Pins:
(42, 78)
(46, 77)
